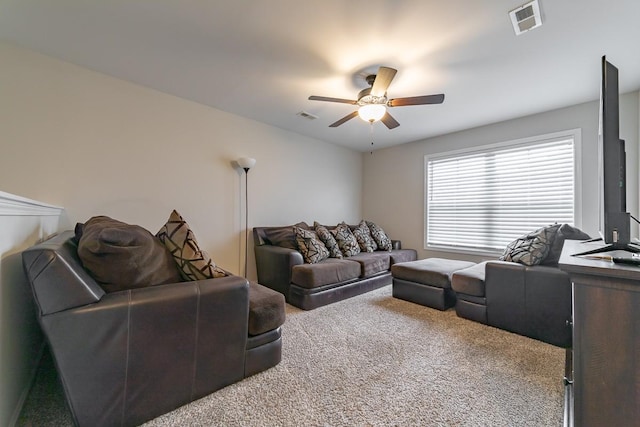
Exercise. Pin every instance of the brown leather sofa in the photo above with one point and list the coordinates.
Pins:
(307, 286)
(129, 356)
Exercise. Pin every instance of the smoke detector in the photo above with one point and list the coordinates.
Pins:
(526, 17)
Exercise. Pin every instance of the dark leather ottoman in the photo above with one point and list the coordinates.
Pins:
(427, 281)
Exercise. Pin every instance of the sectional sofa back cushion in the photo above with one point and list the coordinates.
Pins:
(284, 236)
(121, 256)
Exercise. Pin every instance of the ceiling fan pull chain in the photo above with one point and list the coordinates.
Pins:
(371, 134)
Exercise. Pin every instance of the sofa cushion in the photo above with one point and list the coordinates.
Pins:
(469, 281)
(327, 272)
(121, 256)
(372, 263)
(346, 240)
(363, 237)
(266, 309)
(193, 262)
(310, 246)
(565, 232)
(531, 248)
(329, 241)
(283, 236)
(383, 242)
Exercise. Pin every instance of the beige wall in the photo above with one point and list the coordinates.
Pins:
(395, 198)
(101, 146)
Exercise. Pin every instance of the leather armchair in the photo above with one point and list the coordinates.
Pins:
(126, 357)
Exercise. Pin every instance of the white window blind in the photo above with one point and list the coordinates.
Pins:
(483, 200)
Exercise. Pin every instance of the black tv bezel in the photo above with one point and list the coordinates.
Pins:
(615, 222)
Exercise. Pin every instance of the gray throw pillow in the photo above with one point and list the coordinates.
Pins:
(363, 237)
(531, 248)
(311, 248)
(346, 240)
(329, 241)
(379, 236)
(565, 232)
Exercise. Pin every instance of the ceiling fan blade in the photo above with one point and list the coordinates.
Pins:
(389, 121)
(416, 100)
(382, 81)
(325, 98)
(344, 119)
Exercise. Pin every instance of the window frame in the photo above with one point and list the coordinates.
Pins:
(575, 134)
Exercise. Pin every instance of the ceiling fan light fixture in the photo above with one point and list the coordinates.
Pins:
(372, 112)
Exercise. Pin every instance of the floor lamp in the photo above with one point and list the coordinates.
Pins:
(246, 163)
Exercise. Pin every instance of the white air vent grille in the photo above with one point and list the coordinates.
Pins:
(526, 17)
(306, 115)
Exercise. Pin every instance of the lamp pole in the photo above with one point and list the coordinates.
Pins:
(246, 163)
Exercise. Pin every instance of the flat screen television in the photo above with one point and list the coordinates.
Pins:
(615, 221)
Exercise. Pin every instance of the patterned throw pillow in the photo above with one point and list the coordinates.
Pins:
(346, 240)
(531, 248)
(194, 263)
(311, 248)
(363, 237)
(329, 241)
(379, 236)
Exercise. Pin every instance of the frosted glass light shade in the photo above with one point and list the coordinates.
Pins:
(372, 112)
(246, 162)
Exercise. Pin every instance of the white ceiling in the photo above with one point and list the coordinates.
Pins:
(261, 59)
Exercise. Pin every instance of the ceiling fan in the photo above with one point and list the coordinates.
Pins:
(373, 101)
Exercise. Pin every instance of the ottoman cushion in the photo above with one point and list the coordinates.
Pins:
(431, 271)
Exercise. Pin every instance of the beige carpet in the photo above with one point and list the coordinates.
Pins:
(375, 360)
(372, 360)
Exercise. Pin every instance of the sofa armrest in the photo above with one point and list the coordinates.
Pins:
(274, 264)
(166, 344)
(531, 301)
(505, 293)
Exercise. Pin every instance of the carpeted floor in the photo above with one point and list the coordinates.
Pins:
(373, 360)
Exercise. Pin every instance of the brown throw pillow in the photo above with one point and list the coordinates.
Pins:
(194, 263)
(120, 256)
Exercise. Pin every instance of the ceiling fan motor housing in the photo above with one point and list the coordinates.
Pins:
(365, 98)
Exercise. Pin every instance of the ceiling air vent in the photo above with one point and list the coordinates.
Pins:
(306, 115)
(526, 17)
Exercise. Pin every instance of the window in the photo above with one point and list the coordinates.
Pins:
(481, 200)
